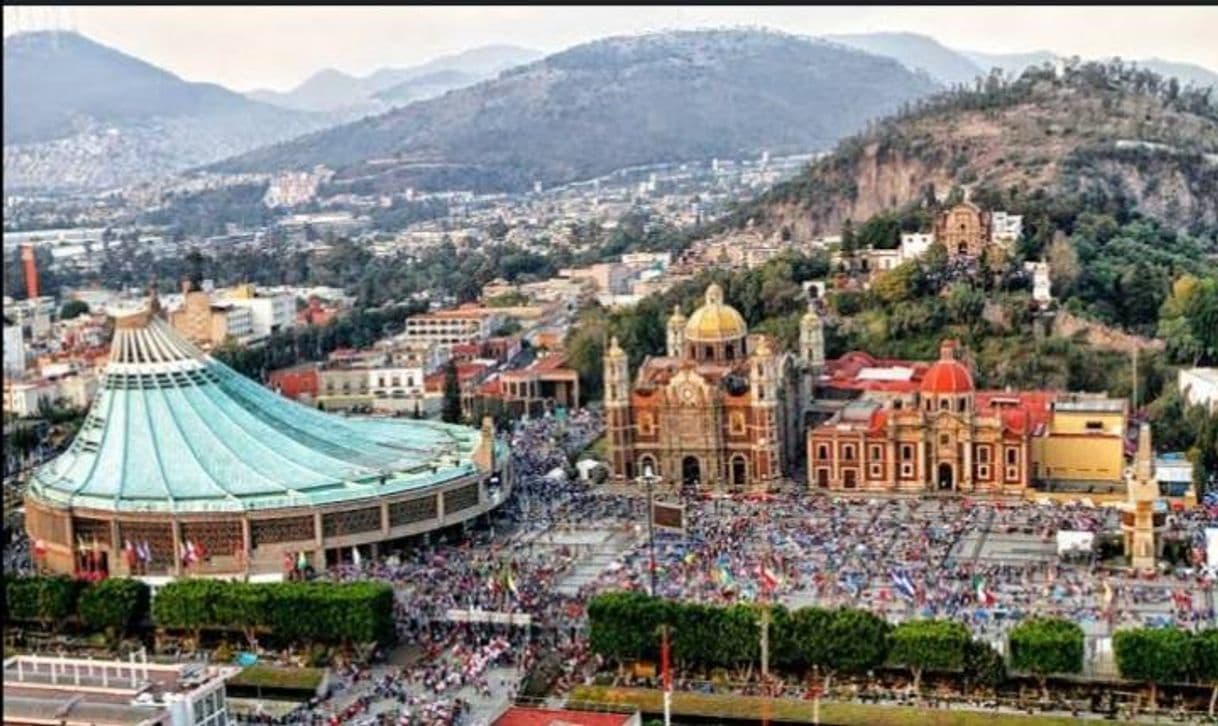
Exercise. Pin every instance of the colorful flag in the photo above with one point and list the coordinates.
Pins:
(903, 584)
(302, 562)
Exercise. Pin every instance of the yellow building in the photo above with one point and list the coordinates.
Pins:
(1085, 441)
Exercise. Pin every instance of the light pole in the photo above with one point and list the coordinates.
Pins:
(648, 478)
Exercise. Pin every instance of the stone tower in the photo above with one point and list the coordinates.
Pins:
(617, 410)
(676, 332)
(1139, 519)
(763, 381)
(812, 340)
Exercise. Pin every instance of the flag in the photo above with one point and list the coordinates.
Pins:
(903, 584)
(146, 553)
(769, 578)
(983, 595)
(355, 557)
(510, 583)
(1107, 595)
(129, 554)
(200, 553)
(288, 561)
(302, 562)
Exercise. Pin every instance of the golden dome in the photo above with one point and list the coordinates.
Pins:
(715, 321)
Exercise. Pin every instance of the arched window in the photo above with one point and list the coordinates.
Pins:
(944, 404)
(848, 452)
(822, 452)
(960, 404)
(729, 351)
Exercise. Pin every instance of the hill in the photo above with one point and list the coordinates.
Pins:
(916, 52)
(80, 114)
(1104, 131)
(332, 90)
(613, 103)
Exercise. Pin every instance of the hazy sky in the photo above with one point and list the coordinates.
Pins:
(276, 47)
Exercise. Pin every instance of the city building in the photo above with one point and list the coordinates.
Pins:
(1199, 386)
(23, 398)
(542, 385)
(268, 313)
(722, 409)
(901, 426)
(207, 323)
(465, 324)
(41, 689)
(967, 230)
(179, 448)
(14, 350)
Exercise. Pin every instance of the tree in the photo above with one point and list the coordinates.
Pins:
(1042, 646)
(983, 666)
(73, 309)
(1154, 655)
(1063, 265)
(922, 645)
(451, 411)
(113, 605)
(1205, 662)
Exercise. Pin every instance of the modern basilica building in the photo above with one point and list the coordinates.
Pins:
(182, 464)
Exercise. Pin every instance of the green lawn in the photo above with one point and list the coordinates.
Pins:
(276, 677)
(845, 714)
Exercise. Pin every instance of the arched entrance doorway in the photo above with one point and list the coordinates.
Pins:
(740, 471)
(691, 470)
(946, 476)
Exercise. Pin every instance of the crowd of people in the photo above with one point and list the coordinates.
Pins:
(985, 563)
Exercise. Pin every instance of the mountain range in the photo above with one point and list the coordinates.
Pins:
(953, 67)
(613, 103)
(1108, 135)
(79, 114)
(332, 90)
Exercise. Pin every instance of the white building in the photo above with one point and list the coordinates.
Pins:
(396, 381)
(1199, 386)
(14, 351)
(1006, 228)
(113, 692)
(915, 244)
(1041, 282)
(22, 398)
(450, 327)
(268, 313)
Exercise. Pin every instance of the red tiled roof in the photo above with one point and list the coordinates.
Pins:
(519, 716)
(947, 376)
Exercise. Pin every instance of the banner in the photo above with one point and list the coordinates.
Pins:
(490, 616)
(670, 517)
(1069, 540)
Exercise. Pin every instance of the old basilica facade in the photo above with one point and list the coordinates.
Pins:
(723, 409)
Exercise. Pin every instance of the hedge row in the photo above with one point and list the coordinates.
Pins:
(318, 612)
(110, 605)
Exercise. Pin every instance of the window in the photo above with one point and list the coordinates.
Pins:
(1012, 456)
(983, 454)
(708, 352)
(1094, 425)
(983, 471)
(944, 404)
(898, 404)
(960, 404)
(906, 452)
(906, 470)
(646, 423)
(736, 421)
(380, 381)
(929, 405)
(848, 452)
(876, 471)
(822, 452)
(944, 439)
(397, 381)
(730, 351)
(877, 452)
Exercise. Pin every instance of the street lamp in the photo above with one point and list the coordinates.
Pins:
(649, 479)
